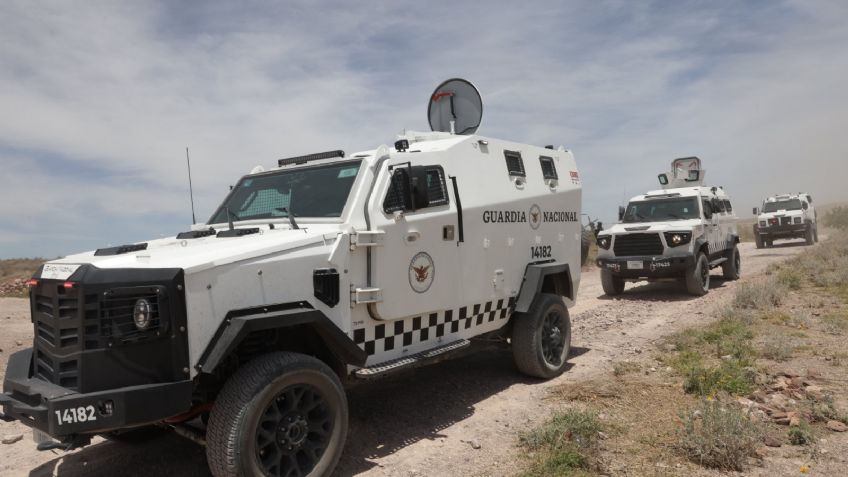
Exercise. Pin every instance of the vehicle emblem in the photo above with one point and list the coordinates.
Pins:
(422, 270)
(535, 217)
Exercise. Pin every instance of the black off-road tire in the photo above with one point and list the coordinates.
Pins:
(758, 241)
(698, 276)
(612, 284)
(732, 268)
(816, 233)
(312, 408)
(808, 235)
(769, 243)
(541, 338)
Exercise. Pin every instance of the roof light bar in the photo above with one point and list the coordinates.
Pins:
(310, 157)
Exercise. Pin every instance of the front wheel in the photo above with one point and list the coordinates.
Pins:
(611, 284)
(758, 241)
(280, 414)
(731, 269)
(808, 235)
(698, 276)
(541, 338)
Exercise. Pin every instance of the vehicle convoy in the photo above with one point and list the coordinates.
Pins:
(786, 216)
(323, 271)
(679, 233)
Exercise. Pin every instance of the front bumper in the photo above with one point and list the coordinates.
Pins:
(791, 230)
(647, 266)
(61, 412)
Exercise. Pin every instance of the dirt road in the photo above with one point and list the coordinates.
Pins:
(423, 422)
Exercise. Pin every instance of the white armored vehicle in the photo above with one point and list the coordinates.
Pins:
(786, 216)
(326, 269)
(680, 233)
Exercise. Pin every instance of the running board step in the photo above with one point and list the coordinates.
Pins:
(424, 357)
(717, 262)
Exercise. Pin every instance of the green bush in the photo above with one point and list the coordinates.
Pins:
(567, 442)
(730, 376)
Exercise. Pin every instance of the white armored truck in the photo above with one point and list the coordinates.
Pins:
(326, 269)
(679, 233)
(786, 216)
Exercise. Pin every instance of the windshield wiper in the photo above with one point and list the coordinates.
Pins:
(290, 216)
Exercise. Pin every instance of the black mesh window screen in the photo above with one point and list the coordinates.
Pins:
(548, 167)
(436, 189)
(514, 163)
(398, 192)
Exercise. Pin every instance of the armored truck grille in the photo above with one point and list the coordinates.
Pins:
(116, 316)
(57, 321)
(785, 220)
(637, 244)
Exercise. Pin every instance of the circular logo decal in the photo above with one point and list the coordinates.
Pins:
(535, 217)
(421, 272)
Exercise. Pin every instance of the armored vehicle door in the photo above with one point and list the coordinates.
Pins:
(712, 226)
(417, 266)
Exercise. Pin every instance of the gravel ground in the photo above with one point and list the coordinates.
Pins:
(459, 417)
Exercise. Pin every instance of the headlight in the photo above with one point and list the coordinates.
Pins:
(141, 314)
(797, 220)
(674, 239)
(762, 223)
(604, 242)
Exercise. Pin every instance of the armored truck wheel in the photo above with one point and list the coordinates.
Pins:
(733, 266)
(541, 338)
(612, 284)
(808, 235)
(280, 414)
(698, 276)
(758, 241)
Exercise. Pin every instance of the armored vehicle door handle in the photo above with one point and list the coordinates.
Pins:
(411, 237)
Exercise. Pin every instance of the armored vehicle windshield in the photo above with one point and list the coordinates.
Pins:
(317, 191)
(661, 210)
(789, 204)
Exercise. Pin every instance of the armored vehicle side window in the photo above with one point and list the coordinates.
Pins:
(708, 208)
(318, 191)
(728, 206)
(514, 164)
(397, 196)
(548, 167)
(721, 206)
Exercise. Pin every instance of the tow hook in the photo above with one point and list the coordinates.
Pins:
(69, 444)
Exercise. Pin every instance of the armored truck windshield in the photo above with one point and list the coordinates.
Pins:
(661, 210)
(318, 191)
(789, 204)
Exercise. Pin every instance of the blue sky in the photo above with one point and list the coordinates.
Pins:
(99, 99)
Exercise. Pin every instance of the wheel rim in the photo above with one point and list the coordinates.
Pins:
(705, 274)
(294, 431)
(554, 334)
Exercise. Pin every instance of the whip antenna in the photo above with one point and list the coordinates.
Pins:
(190, 191)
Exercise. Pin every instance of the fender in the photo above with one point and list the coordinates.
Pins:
(700, 243)
(240, 323)
(734, 239)
(534, 278)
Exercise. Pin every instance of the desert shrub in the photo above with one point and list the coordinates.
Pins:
(777, 348)
(761, 295)
(801, 435)
(568, 441)
(835, 323)
(621, 368)
(730, 376)
(791, 278)
(718, 436)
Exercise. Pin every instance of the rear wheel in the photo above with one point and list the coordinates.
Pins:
(541, 338)
(732, 267)
(612, 284)
(698, 276)
(281, 414)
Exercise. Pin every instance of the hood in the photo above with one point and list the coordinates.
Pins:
(637, 227)
(197, 254)
(780, 213)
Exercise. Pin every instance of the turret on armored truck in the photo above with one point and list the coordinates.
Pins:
(324, 269)
(786, 216)
(680, 233)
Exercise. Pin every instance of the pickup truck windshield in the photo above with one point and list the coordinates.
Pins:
(661, 210)
(789, 204)
(319, 191)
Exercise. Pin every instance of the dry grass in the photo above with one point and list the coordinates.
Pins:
(19, 267)
(718, 436)
(565, 443)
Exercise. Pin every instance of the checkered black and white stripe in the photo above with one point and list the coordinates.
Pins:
(389, 336)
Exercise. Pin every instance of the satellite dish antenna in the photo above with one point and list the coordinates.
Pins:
(455, 107)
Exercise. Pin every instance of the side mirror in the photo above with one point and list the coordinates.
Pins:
(756, 211)
(805, 205)
(620, 212)
(663, 179)
(708, 210)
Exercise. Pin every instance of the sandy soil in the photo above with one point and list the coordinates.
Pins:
(421, 422)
